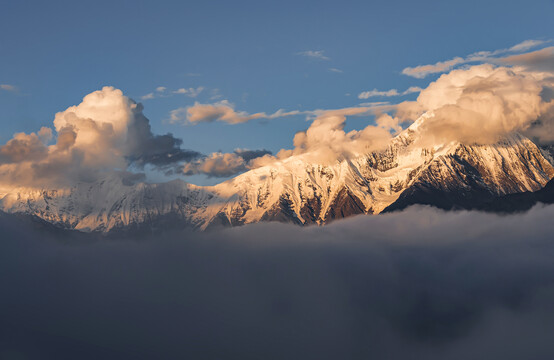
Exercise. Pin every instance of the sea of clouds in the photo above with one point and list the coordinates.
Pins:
(418, 284)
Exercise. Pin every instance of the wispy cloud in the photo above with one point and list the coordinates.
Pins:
(375, 103)
(148, 96)
(216, 95)
(422, 71)
(314, 54)
(223, 111)
(8, 87)
(388, 93)
(191, 92)
(335, 70)
(526, 45)
(540, 60)
(162, 91)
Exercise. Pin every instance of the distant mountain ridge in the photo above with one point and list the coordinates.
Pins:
(298, 191)
(520, 202)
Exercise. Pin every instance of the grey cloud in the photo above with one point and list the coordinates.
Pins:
(216, 165)
(248, 155)
(541, 60)
(420, 284)
(160, 151)
(389, 93)
(106, 132)
(223, 164)
(162, 92)
(23, 147)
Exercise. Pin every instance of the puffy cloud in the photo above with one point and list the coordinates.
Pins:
(129, 129)
(66, 138)
(101, 114)
(160, 151)
(314, 54)
(26, 147)
(388, 93)
(224, 164)
(108, 131)
(388, 122)
(216, 165)
(221, 111)
(326, 141)
(422, 71)
(105, 132)
(479, 104)
(482, 104)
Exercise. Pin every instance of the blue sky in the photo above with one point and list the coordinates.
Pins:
(251, 53)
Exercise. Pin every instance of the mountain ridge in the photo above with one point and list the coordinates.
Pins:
(298, 191)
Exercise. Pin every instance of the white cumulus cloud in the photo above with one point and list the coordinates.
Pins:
(106, 132)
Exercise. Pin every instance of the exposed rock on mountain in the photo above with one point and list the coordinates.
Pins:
(295, 190)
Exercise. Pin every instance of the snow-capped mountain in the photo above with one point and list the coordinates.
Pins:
(299, 191)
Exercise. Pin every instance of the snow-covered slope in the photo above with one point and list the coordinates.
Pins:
(298, 191)
(111, 204)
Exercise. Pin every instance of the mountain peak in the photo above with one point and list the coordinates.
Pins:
(300, 191)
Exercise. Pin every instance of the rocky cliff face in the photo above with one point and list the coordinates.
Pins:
(472, 175)
(449, 176)
(297, 191)
(520, 202)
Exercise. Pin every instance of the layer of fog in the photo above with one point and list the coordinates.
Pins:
(421, 284)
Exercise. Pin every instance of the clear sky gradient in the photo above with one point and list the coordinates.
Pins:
(255, 54)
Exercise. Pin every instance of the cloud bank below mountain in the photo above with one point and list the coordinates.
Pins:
(420, 284)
